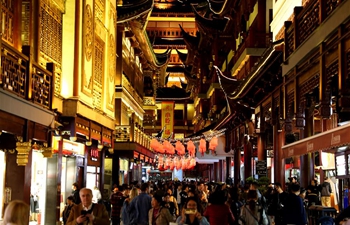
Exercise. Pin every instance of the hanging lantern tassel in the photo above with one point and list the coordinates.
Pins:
(172, 164)
(202, 146)
(213, 143)
(178, 163)
(193, 162)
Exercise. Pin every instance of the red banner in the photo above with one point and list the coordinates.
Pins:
(167, 118)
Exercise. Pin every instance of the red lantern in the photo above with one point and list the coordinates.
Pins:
(213, 143)
(167, 147)
(180, 148)
(202, 146)
(154, 144)
(191, 148)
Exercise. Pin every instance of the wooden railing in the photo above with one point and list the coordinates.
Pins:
(307, 20)
(132, 133)
(168, 32)
(27, 80)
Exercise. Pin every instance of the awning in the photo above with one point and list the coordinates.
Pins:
(333, 138)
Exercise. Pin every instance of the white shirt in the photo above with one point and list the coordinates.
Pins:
(178, 197)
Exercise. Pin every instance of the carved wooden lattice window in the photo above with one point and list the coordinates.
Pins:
(13, 73)
(50, 31)
(290, 104)
(332, 70)
(41, 87)
(308, 86)
(98, 73)
(8, 11)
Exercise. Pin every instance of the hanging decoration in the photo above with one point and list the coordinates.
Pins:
(191, 148)
(202, 146)
(171, 153)
(213, 144)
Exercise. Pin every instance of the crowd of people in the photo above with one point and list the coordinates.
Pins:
(191, 203)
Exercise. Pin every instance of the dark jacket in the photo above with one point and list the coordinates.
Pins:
(294, 211)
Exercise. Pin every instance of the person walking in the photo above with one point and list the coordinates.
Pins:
(294, 210)
(159, 215)
(141, 205)
(217, 212)
(67, 209)
(117, 198)
(191, 213)
(16, 213)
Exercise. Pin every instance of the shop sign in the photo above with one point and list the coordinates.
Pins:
(261, 168)
(142, 157)
(146, 159)
(94, 154)
(136, 155)
(69, 147)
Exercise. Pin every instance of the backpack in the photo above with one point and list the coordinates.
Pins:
(325, 220)
(325, 191)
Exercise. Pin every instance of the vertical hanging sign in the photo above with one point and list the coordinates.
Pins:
(167, 118)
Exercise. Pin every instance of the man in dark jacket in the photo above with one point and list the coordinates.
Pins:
(294, 211)
(117, 199)
(277, 202)
(75, 194)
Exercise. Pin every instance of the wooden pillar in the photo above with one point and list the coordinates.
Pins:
(307, 161)
(215, 177)
(261, 146)
(237, 167)
(228, 167)
(247, 146)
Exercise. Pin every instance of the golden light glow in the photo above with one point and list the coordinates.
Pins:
(240, 66)
(173, 19)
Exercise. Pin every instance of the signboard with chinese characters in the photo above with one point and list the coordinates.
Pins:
(340, 165)
(261, 168)
(167, 118)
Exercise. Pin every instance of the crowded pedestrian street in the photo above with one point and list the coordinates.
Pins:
(175, 112)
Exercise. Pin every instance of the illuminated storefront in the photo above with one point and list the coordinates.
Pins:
(73, 153)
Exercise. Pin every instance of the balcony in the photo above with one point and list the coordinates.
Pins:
(306, 20)
(26, 80)
(132, 133)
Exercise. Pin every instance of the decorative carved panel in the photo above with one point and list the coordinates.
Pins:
(88, 47)
(50, 41)
(41, 87)
(7, 11)
(25, 22)
(98, 73)
(13, 72)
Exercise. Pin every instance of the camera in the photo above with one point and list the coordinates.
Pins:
(190, 211)
(84, 212)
